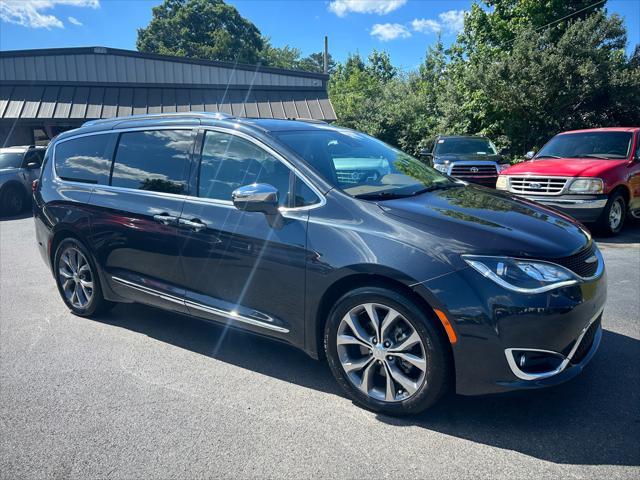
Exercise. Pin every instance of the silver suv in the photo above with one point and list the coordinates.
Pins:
(19, 167)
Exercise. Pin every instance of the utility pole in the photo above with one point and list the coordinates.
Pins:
(325, 57)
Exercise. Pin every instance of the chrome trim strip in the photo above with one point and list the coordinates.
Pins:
(147, 290)
(198, 306)
(539, 376)
(280, 157)
(235, 316)
(567, 202)
(225, 203)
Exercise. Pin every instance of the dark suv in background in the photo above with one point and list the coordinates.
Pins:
(325, 238)
(19, 167)
(471, 158)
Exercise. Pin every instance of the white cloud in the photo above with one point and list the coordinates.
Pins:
(74, 21)
(452, 20)
(29, 13)
(425, 25)
(389, 31)
(381, 7)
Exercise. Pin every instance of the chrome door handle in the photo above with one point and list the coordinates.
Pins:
(195, 224)
(165, 219)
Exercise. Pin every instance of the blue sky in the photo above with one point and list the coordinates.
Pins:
(404, 28)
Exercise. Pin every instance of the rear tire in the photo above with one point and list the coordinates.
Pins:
(383, 374)
(613, 216)
(13, 201)
(77, 279)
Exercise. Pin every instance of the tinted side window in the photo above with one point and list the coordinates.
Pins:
(229, 162)
(33, 156)
(156, 160)
(85, 159)
(304, 196)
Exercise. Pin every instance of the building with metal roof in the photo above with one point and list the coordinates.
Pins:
(45, 92)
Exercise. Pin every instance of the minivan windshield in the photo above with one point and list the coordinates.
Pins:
(464, 146)
(603, 145)
(10, 160)
(363, 166)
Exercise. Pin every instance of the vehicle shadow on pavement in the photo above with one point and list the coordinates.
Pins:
(592, 420)
(253, 352)
(20, 216)
(629, 234)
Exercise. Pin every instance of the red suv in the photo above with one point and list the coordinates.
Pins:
(593, 175)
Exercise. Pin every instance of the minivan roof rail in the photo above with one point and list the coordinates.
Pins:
(153, 116)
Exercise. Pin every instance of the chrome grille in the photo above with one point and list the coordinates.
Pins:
(351, 176)
(469, 170)
(537, 185)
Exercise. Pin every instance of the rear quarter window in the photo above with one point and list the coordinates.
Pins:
(85, 159)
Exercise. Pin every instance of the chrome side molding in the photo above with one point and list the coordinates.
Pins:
(230, 314)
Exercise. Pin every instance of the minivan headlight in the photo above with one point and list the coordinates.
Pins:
(520, 275)
(586, 185)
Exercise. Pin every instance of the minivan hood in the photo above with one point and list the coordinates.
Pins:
(476, 220)
(564, 167)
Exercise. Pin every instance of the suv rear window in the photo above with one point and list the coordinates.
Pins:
(156, 160)
(10, 159)
(85, 159)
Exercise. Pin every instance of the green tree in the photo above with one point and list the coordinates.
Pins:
(545, 82)
(315, 63)
(207, 29)
(280, 57)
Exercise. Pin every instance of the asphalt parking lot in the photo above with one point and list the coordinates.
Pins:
(146, 394)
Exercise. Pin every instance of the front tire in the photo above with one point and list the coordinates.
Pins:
(613, 216)
(385, 353)
(77, 279)
(13, 201)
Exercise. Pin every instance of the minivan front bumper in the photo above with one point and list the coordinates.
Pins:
(495, 327)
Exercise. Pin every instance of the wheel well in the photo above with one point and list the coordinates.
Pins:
(625, 192)
(55, 241)
(352, 282)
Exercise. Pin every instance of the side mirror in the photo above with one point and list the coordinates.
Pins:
(33, 165)
(504, 151)
(529, 155)
(259, 197)
(425, 153)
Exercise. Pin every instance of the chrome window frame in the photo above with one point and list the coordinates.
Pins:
(274, 153)
(224, 203)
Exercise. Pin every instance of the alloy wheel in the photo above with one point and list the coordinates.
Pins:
(76, 277)
(381, 352)
(615, 215)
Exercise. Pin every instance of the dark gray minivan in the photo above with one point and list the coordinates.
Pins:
(409, 282)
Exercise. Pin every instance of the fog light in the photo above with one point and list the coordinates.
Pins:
(534, 361)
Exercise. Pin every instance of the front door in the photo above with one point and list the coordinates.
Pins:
(244, 268)
(134, 218)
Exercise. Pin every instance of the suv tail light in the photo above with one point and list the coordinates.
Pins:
(34, 185)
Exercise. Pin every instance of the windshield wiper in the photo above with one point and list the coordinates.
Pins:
(392, 195)
(547, 156)
(380, 195)
(598, 156)
(444, 186)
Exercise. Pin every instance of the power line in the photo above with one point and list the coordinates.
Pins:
(573, 14)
